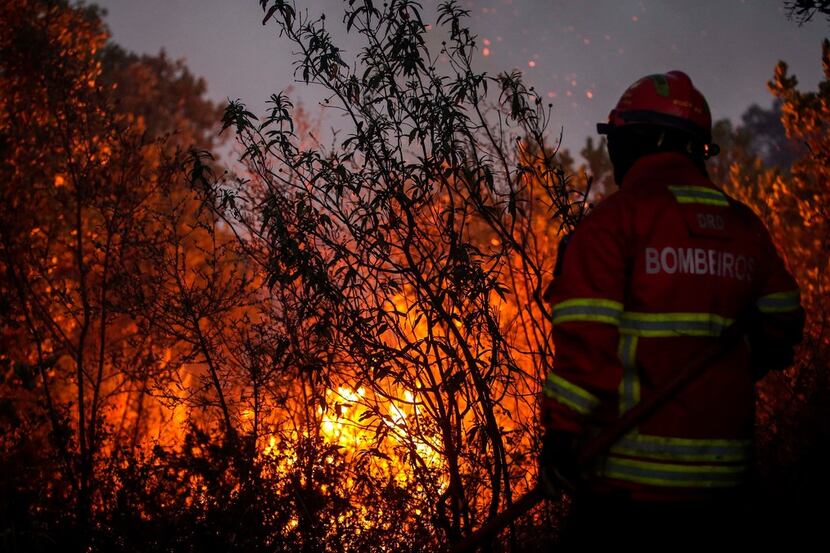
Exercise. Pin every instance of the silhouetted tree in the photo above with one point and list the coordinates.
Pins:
(82, 181)
(804, 10)
(405, 239)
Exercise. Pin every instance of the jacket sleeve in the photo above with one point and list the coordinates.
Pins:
(779, 321)
(587, 303)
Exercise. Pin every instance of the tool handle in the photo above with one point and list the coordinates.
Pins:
(502, 520)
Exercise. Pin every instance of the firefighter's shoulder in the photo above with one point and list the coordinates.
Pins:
(613, 214)
(608, 208)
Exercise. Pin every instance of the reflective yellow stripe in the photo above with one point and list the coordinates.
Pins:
(780, 302)
(578, 399)
(699, 195)
(629, 390)
(673, 324)
(673, 475)
(588, 309)
(683, 449)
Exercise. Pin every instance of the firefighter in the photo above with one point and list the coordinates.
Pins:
(651, 276)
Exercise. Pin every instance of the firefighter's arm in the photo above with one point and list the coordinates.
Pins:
(779, 321)
(587, 303)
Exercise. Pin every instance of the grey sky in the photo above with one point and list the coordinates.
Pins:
(580, 54)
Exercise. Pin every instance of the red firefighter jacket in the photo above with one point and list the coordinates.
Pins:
(652, 275)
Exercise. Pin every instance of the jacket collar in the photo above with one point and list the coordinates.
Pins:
(665, 167)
